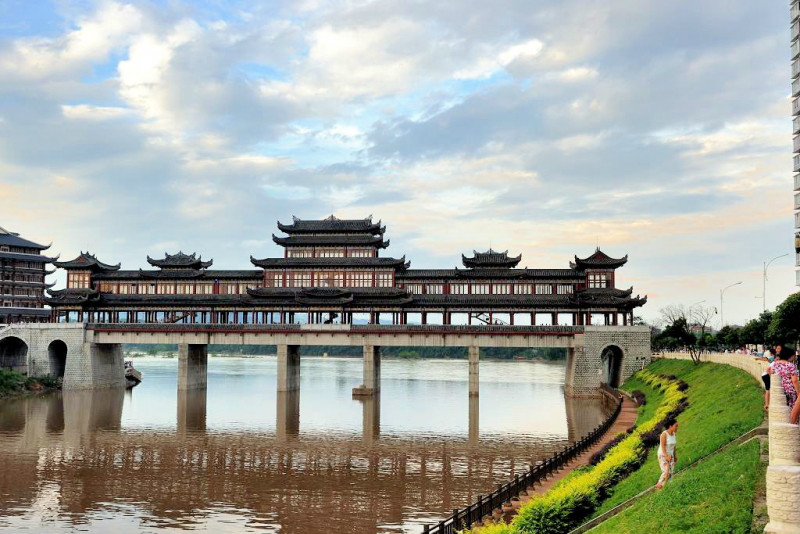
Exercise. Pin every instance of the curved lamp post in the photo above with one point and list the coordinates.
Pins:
(721, 295)
(764, 280)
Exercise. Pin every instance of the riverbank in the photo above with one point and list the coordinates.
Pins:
(13, 384)
(723, 404)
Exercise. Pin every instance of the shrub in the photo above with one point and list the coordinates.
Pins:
(639, 398)
(574, 498)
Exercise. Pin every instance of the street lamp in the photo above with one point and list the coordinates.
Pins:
(721, 294)
(764, 281)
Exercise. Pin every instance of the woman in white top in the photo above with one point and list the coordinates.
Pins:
(666, 452)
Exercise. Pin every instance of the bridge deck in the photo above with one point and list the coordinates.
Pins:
(300, 334)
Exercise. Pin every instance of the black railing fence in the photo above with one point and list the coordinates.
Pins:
(485, 505)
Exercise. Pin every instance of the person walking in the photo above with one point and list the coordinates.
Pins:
(666, 452)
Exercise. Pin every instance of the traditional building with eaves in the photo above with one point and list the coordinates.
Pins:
(332, 272)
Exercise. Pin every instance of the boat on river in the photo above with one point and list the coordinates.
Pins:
(132, 377)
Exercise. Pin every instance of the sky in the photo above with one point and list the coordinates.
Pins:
(661, 130)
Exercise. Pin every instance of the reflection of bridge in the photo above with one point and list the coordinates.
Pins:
(302, 482)
(91, 355)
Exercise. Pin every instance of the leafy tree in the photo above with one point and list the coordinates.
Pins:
(677, 333)
(729, 338)
(755, 331)
(785, 324)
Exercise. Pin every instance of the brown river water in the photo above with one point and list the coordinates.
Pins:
(238, 457)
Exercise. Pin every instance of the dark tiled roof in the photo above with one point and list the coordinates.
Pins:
(180, 260)
(87, 261)
(25, 257)
(30, 312)
(599, 260)
(13, 239)
(365, 240)
(278, 263)
(490, 258)
(527, 274)
(179, 274)
(332, 225)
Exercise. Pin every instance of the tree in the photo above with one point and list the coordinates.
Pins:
(755, 331)
(785, 324)
(680, 321)
(728, 338)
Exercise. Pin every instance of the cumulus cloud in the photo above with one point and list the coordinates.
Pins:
(546, 127)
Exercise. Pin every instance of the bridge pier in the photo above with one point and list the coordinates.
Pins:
(288, 367)
(287, 416)
(192, 410)
(474, 354)
(95, 366)
(372, 372)
(192, 366)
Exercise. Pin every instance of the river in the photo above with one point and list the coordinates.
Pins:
(238, 457)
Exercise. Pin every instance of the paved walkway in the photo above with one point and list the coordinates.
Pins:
(625, 420)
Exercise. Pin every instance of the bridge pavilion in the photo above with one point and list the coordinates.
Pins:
(332, 272)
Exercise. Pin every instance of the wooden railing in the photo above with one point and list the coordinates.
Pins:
(484, 506)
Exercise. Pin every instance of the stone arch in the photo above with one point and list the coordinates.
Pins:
(611, 359)
(57, 356)
(14, 354)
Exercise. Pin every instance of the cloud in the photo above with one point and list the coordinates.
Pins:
(658, 129)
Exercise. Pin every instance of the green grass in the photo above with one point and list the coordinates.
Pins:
(13, 383)
(724, 403)
(714, 497)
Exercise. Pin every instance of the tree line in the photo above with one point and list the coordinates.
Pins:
(689, 329)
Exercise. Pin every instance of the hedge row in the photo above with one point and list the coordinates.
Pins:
(573, 499)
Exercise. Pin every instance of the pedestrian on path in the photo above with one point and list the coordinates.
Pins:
(666, 452)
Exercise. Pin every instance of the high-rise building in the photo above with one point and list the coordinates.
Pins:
(23, 269)
(795, 15)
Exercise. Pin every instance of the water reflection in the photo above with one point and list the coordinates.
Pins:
(192, 410)
(220, 461)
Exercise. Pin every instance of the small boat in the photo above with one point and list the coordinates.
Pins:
(520, 358)
(132, 377)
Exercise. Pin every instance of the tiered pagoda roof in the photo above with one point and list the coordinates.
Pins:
(12, 239)
(363, 240)
(598, 260)
(490, 259)
(333, 225)
(87, 261)
(277, 263)
(180, 261)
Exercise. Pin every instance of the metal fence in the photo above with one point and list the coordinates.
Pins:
(485, 505)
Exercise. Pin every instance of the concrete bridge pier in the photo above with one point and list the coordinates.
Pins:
(192, 366)
(371, 418)
(372, 372)
(192, 410)
(95, 366)
(287, 416)
(288, 367)
(474, 354)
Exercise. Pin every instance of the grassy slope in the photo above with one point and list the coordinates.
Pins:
(724, 403)
(713, 497)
